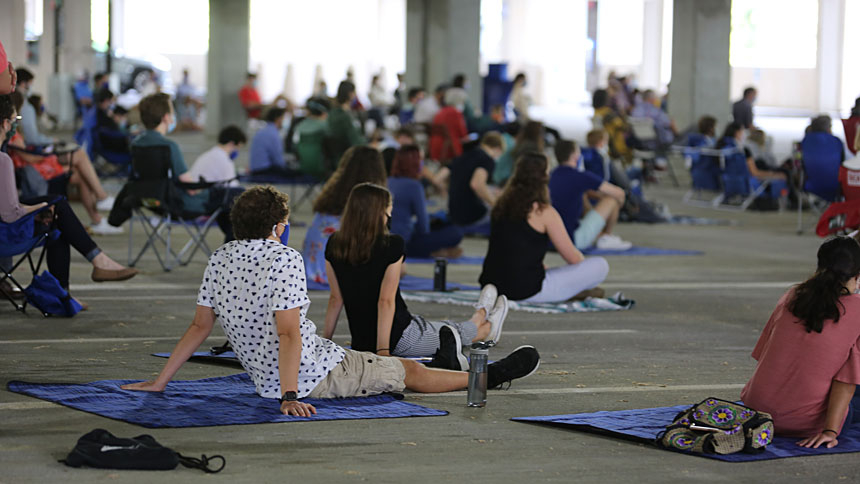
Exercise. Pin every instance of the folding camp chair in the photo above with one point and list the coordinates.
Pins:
(737, 181)
(850, 126)
(818, 180)
(20, 239)
(650, 147)
(310, 184)
(121, 162)
(151, 187)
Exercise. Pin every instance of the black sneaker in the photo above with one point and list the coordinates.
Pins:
(449, 356)
(521, 363)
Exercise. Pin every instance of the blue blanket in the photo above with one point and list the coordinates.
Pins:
(407, 283)
(231, 356)
(641, 251)
(226, 400)
(643, 425)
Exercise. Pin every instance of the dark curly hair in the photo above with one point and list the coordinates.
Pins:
(817, 299)
(526, 186)
(359, 164)
(257, 210)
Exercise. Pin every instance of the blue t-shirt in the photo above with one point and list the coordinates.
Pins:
(408, 202)
(267, 149)
(566, 188)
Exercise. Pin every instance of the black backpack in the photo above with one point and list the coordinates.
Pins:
(103, 450)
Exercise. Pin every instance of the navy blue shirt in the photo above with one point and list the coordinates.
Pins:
(566, 188)
(464, 206)
(409, 201)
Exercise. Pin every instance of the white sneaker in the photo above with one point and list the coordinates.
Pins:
(105, 205)
(497, 318)
(612, 242)
(487, 299)
(103, 228)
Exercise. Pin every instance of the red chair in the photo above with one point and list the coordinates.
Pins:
(850, 126)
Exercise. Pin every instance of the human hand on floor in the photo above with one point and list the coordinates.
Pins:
(297, 408)
(143, 386)
(827, 437)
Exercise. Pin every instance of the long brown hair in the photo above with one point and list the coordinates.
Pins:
(529, 138)
(359, 164)
(362, 224)
(407, 162)
(526, 186)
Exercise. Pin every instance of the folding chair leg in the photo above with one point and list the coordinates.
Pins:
(752, 196)
(799, 214)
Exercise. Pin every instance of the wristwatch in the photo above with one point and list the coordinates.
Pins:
(289, 397)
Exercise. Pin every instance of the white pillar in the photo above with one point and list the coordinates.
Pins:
(700, 61)
(227, 62)
(652, 44)
(831, 22)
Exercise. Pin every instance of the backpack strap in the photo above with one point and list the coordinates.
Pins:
(202, 463)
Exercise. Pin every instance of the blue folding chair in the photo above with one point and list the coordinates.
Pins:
(738, 182)
(594, 162)
(309, 182)
(705, 164)
(822, 155)
(19, 239)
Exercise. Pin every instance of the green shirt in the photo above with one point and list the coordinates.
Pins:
(191, 203)
(311, 134)
(344, 132)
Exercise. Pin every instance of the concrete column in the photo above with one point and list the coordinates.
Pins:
(76, 51)
(700, 61)
(652, 44)
(12, 31)
(227, 62)
(831, 25)
(443, 39)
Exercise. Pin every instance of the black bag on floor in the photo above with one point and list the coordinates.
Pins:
(103, 450)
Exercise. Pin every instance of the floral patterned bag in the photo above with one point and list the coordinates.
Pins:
(716, 426)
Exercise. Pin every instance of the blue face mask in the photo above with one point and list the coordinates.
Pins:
(234, 154)
(285, 237)
(172, 125)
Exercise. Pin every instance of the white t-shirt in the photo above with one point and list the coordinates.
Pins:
(214, 165)
(426, 110)
(245, 282)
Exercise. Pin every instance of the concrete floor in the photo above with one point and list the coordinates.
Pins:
(689, 337)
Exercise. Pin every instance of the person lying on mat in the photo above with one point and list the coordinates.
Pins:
(523, 223)
(571, 192)
(363, 262)
(255, 288)
(359, 164)
(808, 355)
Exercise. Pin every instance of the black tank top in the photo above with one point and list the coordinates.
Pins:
(514, 261)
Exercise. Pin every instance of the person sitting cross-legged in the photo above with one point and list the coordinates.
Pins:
(275, 341)
(570, 191)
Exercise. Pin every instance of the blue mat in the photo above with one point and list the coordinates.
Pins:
(226, 400)
(229, 356)
(464, 260)
(643, 425)
(641, 251)
(407, 283)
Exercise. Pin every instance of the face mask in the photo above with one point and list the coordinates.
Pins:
(12, 130)
(172, 125)
(285, 237)
(388, 221)
(234, 154)
(580, 164)
(123, 124)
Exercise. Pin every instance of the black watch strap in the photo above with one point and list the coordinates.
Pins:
(289, 397)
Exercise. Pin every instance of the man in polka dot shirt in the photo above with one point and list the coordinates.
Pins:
(255, 288)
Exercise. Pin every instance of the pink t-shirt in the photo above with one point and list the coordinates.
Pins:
(795, 368)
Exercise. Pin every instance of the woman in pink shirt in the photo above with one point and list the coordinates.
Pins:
(808, 355)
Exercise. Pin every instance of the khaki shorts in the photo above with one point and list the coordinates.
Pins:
(361, 374)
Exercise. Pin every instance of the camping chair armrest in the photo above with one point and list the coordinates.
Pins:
(112, 133)
(31, 150)
(203, 184)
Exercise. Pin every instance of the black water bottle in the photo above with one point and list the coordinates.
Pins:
(439, 274)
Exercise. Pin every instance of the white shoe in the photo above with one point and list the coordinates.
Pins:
(487, 299)
(497, 318)
(103, 228)
(612, 242)
(105, 205)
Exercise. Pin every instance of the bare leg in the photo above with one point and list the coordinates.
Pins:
(102, 261)
(83, 167)
(87, 198)
(479, 319)
(421, 379)
(608, 208)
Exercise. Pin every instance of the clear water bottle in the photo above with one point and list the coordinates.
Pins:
(478, 359)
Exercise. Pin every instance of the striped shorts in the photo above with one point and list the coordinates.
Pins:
(421, 337)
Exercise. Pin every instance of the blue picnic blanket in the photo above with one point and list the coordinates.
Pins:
(225, 400)
(643, 425)
(407, 283)
(230, 356)
(635, 250)
(469, 260)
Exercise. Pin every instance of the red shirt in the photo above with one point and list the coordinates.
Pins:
(454, 122)
(249, 95)
(795, 368)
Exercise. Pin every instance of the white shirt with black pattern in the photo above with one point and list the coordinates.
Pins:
(245, 282)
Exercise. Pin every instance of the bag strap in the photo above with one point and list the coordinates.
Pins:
(202, 463)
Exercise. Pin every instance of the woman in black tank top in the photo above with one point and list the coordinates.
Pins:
(522, 225)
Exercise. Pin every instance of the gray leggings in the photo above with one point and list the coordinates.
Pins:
(421, 337)
(562, 283)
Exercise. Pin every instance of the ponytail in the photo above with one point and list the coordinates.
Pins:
(817, 299)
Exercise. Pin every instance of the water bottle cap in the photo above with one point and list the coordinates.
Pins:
(483, 346)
